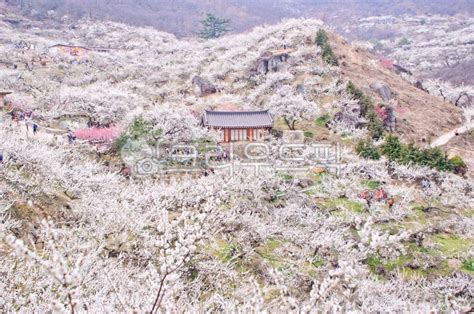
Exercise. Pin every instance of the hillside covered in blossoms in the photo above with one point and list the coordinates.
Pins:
(116, 197)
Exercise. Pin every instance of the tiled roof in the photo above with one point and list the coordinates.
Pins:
(238, 119)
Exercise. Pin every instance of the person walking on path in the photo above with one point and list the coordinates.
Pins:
(391, 202)
(35, 128)
(70, 137)
(27, 125)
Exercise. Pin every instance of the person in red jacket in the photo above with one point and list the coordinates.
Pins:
(391, 202)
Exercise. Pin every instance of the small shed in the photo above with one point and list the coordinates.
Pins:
(235, 126)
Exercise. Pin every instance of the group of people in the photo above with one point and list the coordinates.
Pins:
(34, 126)
(222, 154)
(379, 195)
(25, 116)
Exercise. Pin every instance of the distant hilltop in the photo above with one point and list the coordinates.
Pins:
(182, 17)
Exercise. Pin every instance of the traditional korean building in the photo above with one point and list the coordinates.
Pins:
(236, 126)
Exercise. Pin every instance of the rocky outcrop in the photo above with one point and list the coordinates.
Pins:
(382, 90)
(390, 121)
(399, 69)
(419, 85)
(304, 183)
(270, 62)
(205, 87)
(301, 89)
(351, 116)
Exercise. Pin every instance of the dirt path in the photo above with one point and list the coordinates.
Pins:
(44, 134)
(445, 138)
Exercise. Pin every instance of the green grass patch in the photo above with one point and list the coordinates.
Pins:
(390, 227)
(373, 185)
(272, 294)
(321, 121)
(415, 255)
(373, 262)
(452, 245)
(317, 261)
(417, 217)
(398, 263)
(468, 265)
(410, 273)
(287, 177)
(267, 252)
(336, 203)
(415, 249)
(317, 177)
(229, 253)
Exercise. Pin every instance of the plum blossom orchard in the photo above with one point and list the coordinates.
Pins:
(77, 235)
(291, 107)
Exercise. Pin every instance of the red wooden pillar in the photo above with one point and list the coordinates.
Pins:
(226, 135)
(249, 134)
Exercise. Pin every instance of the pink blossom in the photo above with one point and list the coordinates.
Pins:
(98, 134)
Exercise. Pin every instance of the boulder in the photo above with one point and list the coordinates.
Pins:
(430, 209)
(305, 183)
(399, 69)
(205, 87)
(382, 90)
(262, 66)
(419, 85)
(301, 89)
(269, 62)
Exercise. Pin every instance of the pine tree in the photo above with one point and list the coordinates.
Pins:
(392, 148)
(367, 150)
(213, 27)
